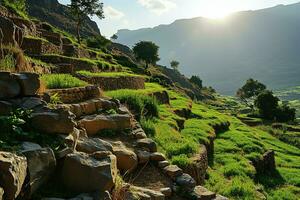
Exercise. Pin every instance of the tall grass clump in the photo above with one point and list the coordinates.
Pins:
(60, 81)
(141, 105)
(148, 126)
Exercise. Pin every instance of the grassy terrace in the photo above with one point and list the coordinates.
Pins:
(60, 81)
(231, 172)
(107, 74)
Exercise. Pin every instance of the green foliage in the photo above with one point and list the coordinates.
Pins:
(60, 81)
(8, 62)
(15, 130)
(17, 6)
(251, 89)
(97, 42)
(114, 37)
(174, 64)
(197, 81)
(146, 51)
(82, 8)
(106, 74)
(148, 126)
(285, 114)
(55, 99)
(266, 103)
(140, 105)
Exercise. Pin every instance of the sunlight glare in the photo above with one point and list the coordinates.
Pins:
(217, 13)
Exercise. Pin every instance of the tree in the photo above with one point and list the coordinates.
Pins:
(146, 51)
(82, 8)
(114, 37)
(251, 89)
(267, 104)
(285, 114)
(174, 64)
(197, 81)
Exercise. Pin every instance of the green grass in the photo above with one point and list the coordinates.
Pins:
(60, 81)
(107, 74)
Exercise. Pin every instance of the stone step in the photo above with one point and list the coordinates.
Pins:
(94, 124)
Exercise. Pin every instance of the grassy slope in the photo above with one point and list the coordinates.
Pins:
(231, 172)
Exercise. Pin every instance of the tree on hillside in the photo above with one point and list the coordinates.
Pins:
(267, 104)
(146, 51)
(114, 37)
(251, 89)
(82, 8)
(197, 81)
(174, 64)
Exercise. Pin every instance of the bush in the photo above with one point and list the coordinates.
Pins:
(285, 114)
(197, 81)
(60, 81)
(97, 42)
(267, 104)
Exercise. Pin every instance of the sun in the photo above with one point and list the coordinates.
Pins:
(216, 13)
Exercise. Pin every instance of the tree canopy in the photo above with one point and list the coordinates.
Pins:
(197, 81)
(267, 104)
(82, 8)
(174, 64)
(251, 89)
(146, 51)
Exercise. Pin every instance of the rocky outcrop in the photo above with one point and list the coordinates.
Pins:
(162, 97)
(41, 164)
(92, 145)
(13, 172)
(88, 173)
(9, 86)
(59, 15)
(265, 164)
(10, 34)
(95, 123)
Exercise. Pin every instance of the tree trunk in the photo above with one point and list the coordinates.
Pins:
(147, 65)
(78, 31)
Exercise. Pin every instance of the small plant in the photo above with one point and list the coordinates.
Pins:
(55, 99)
(8, 63)
(148, 126)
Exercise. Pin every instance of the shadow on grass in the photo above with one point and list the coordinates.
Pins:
(270, 180)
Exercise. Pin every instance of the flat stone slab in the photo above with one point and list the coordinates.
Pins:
(173, 171)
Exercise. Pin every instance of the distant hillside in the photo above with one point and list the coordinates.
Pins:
(58, 15)
(263, 44)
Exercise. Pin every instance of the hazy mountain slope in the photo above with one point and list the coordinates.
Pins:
(263, 44)
(58, 15)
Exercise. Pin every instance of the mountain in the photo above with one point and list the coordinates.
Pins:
(58, 15)
(263, 44)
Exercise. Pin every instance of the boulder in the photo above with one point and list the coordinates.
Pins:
(143, 156)
(13, 173)
(84, 173)
(53, 122)
(157, 157)
(185, 182)
(29, 82)
(41, 164)
(147, 144)
(266, 164)
(91, 145)
(154, 195)
(173, 171)
(9, 86)
(163, 164)
(29, 146)
(32, 103)
(95, 123)
(201, 193)
(127, 160)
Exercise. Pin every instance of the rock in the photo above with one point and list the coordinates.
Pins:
(166, 191)
(1, 193)
(63, 153)
(29, 82)
(147, 144)
(201, 193)
(32, 103)
(127, 160)
(153, 194)
(83, 173)
(9, 86)
(163, 164)
(13, 173)
(95, 123)
(143, 156)
(173, 171)
(219, 197)
(266, 164)
(185, 182)
(10, 33)
(29, 146)
(157, 156)
(41, 164)
(53, 122)
(162, 97)
(91, 145)
(5, 107)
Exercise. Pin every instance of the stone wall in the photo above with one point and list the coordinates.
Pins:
(116, 83)
(73, 95)
(33, 46)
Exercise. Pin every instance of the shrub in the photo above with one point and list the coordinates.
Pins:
(148, 126)
(267, 104)
(181, 160)
(197, 81)
(97, 42)
(285, 113)
(59, 81)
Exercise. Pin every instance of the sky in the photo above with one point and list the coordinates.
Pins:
(135, 14)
